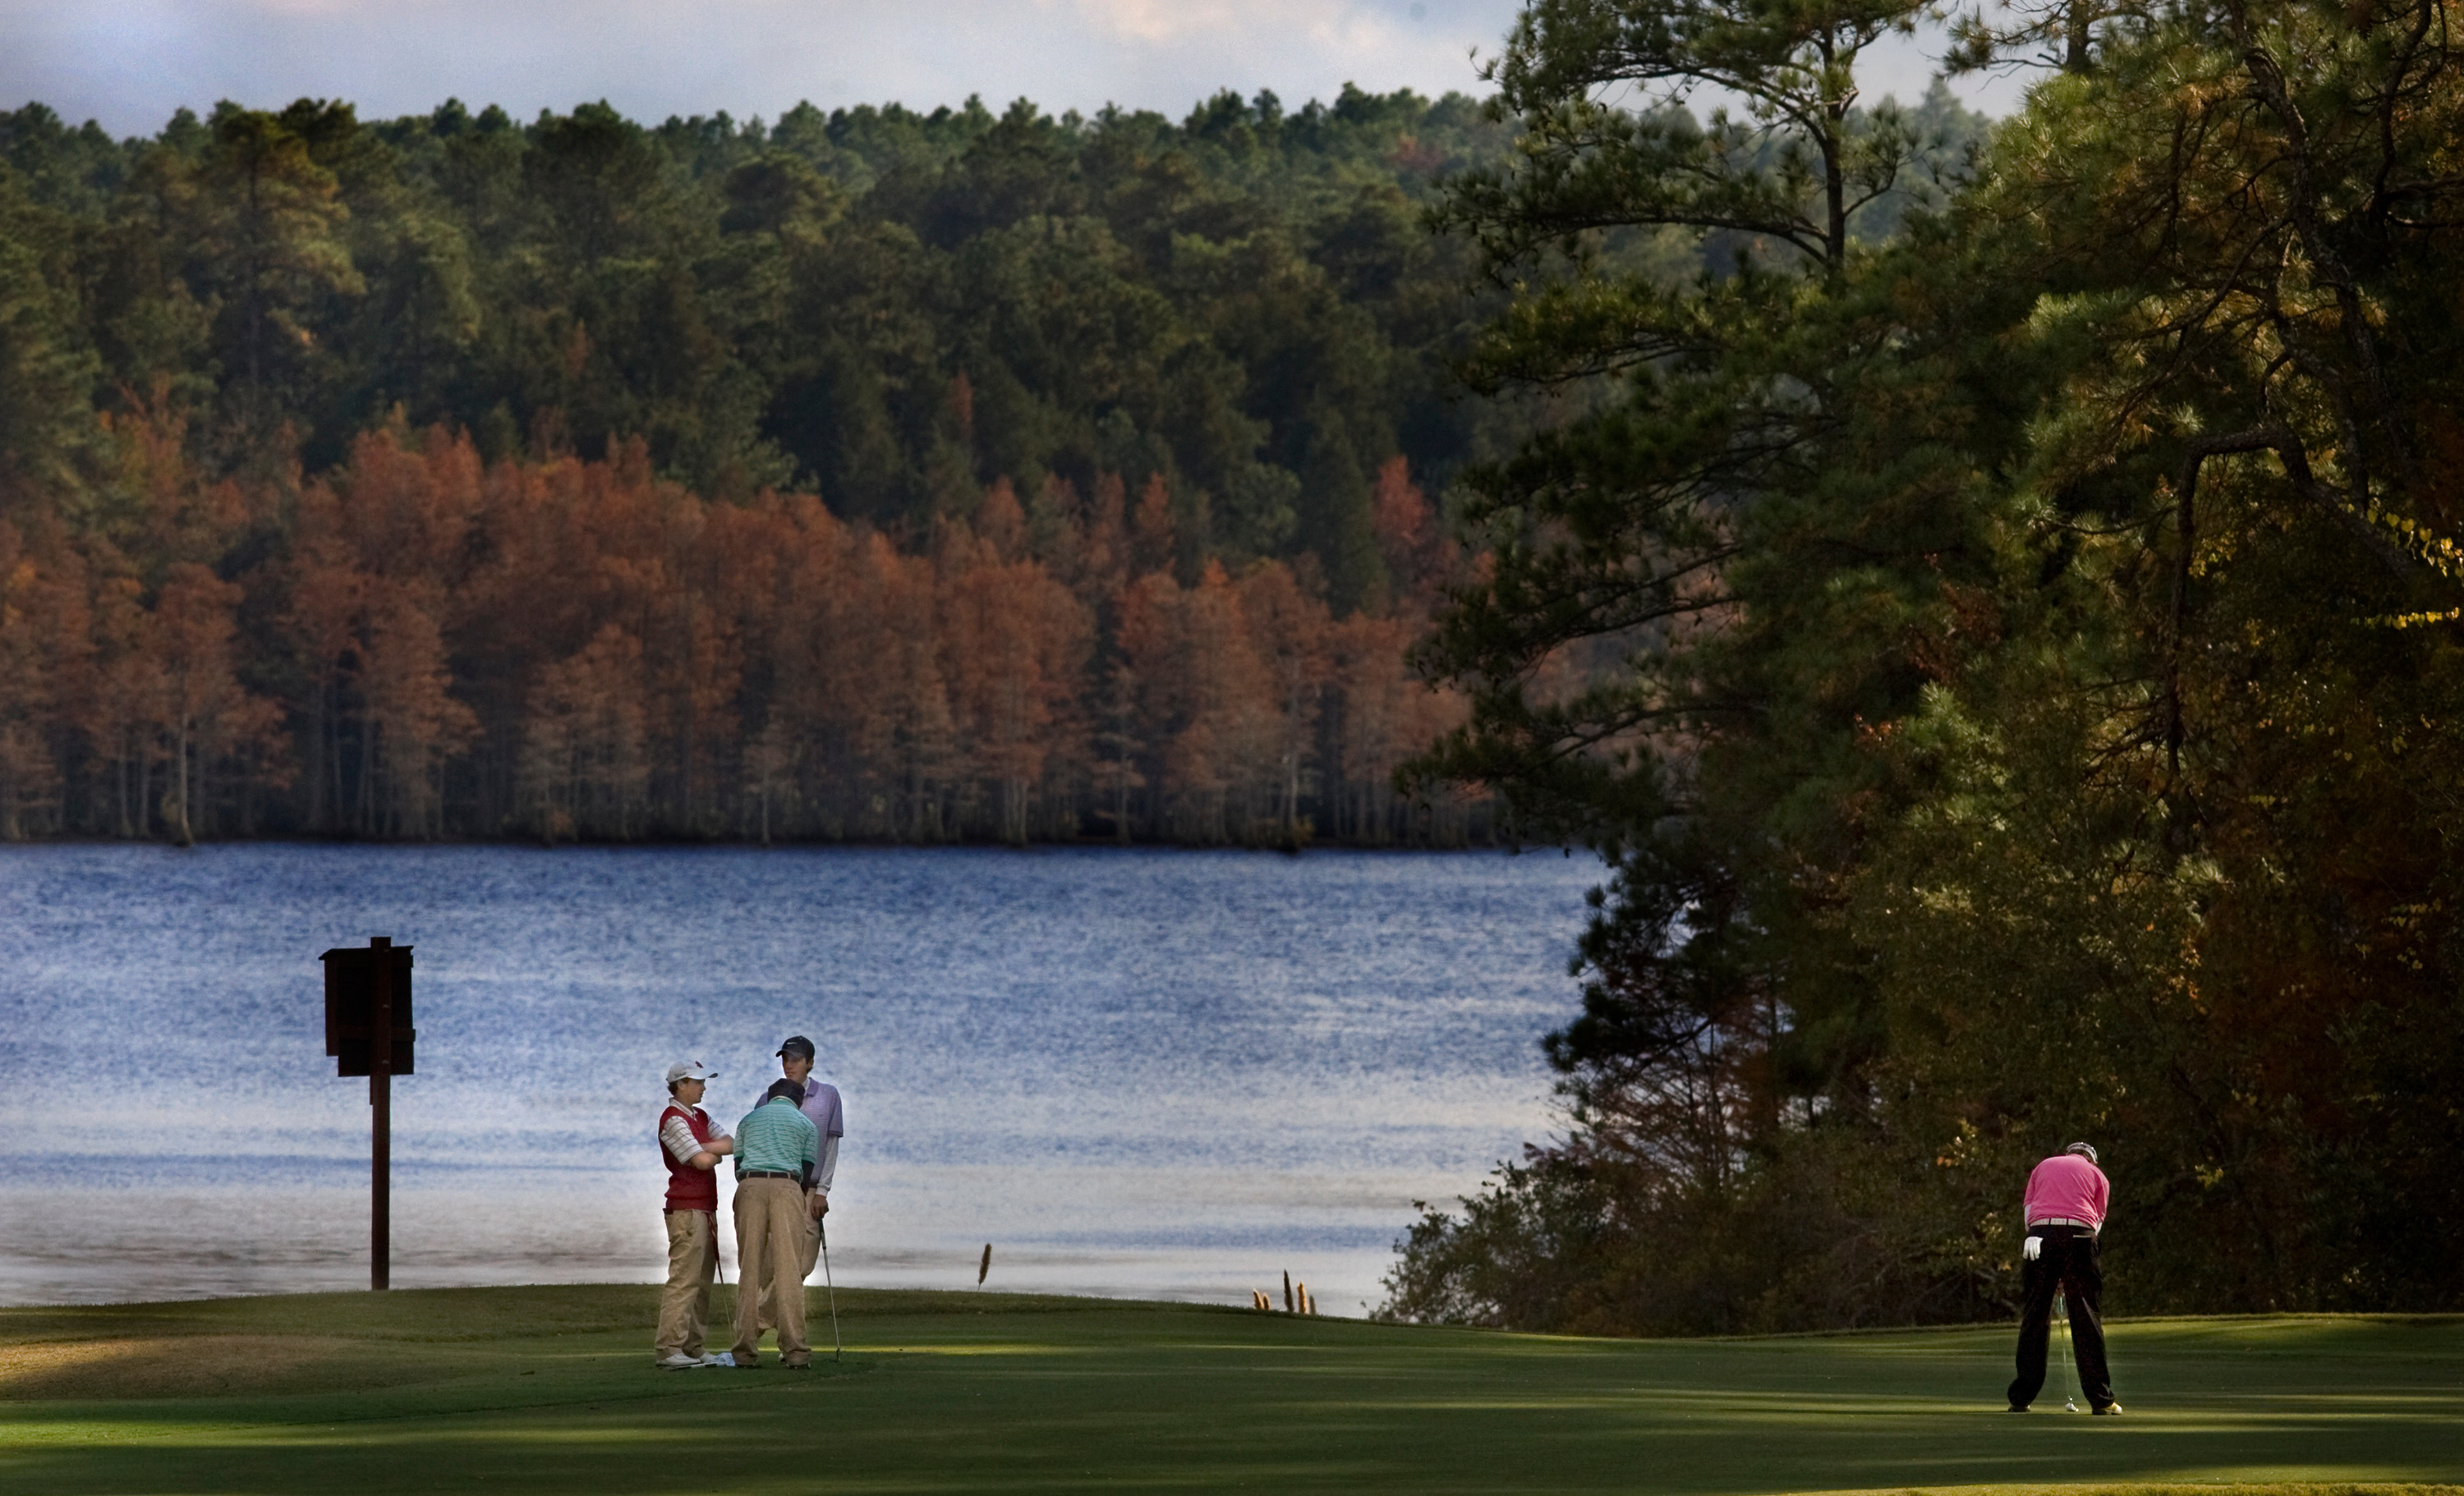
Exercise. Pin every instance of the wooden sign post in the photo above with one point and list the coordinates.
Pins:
(369, 1032)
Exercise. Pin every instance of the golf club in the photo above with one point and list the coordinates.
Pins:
(838, 1351)
(2070, 1363)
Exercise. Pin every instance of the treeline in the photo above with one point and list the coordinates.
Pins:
(421, 644)
(1117, 431)
(874, 475)
(2024, 698)
(891, 309)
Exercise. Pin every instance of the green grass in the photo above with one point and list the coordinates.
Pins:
(551, 1391)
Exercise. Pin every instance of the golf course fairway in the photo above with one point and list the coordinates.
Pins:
(551, 1390)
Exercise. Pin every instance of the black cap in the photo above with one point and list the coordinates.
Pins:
(787, 1089)
(799, 1044)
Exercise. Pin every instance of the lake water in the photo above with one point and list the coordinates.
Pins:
(1135, 1072)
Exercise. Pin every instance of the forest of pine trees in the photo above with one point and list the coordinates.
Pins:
(2034, 706)
(875, 474)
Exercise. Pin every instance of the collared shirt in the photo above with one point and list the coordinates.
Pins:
(2068, 1186)
(776, 1138)
(822, 1104)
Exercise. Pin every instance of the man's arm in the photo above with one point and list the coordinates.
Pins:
(826, 1113)
(676, 1137)
(807, 1149)
(822, 1172)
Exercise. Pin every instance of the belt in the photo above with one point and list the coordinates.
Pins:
(2063, 1220)
(770, 1174)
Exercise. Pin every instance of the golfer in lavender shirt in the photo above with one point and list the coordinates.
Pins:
(828, 1115)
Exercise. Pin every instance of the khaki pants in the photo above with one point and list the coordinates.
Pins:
(769, 1261)
(684, 1307)
(769, 1315)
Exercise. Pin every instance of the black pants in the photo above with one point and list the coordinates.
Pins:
(2068, 1264)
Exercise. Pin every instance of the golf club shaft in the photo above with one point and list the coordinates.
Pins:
(838, 1350)
(2070, 1365)
(2070, 1352)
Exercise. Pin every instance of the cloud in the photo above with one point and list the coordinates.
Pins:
(129, 63)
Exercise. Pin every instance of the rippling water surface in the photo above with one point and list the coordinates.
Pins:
(1152, 1073)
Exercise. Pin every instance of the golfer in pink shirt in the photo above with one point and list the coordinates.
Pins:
(2064, 1210)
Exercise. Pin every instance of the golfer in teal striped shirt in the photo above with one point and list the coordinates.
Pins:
(776, 1147)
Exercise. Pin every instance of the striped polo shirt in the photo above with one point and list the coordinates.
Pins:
(775, 1136)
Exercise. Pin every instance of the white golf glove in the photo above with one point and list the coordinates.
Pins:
(2032, 1248)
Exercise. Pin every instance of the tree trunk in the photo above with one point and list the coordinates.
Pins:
(144, 794)
(180, 831)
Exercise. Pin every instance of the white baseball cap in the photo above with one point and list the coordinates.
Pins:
(689, 1071)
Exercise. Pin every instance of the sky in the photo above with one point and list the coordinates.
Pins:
(129, 63)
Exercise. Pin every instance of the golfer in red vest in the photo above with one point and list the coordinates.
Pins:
(691, 1146)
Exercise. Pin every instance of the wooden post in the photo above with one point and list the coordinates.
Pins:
(381, 1102)
(370, 1001)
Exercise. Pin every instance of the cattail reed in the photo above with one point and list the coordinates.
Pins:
(985, 1267)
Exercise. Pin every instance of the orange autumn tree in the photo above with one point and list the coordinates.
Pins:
(414, 723)
(30, 776)
(378, 554)
(419, 643)
(585, 750)
(1014, 647)
(204, 716)
(1290, 632)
